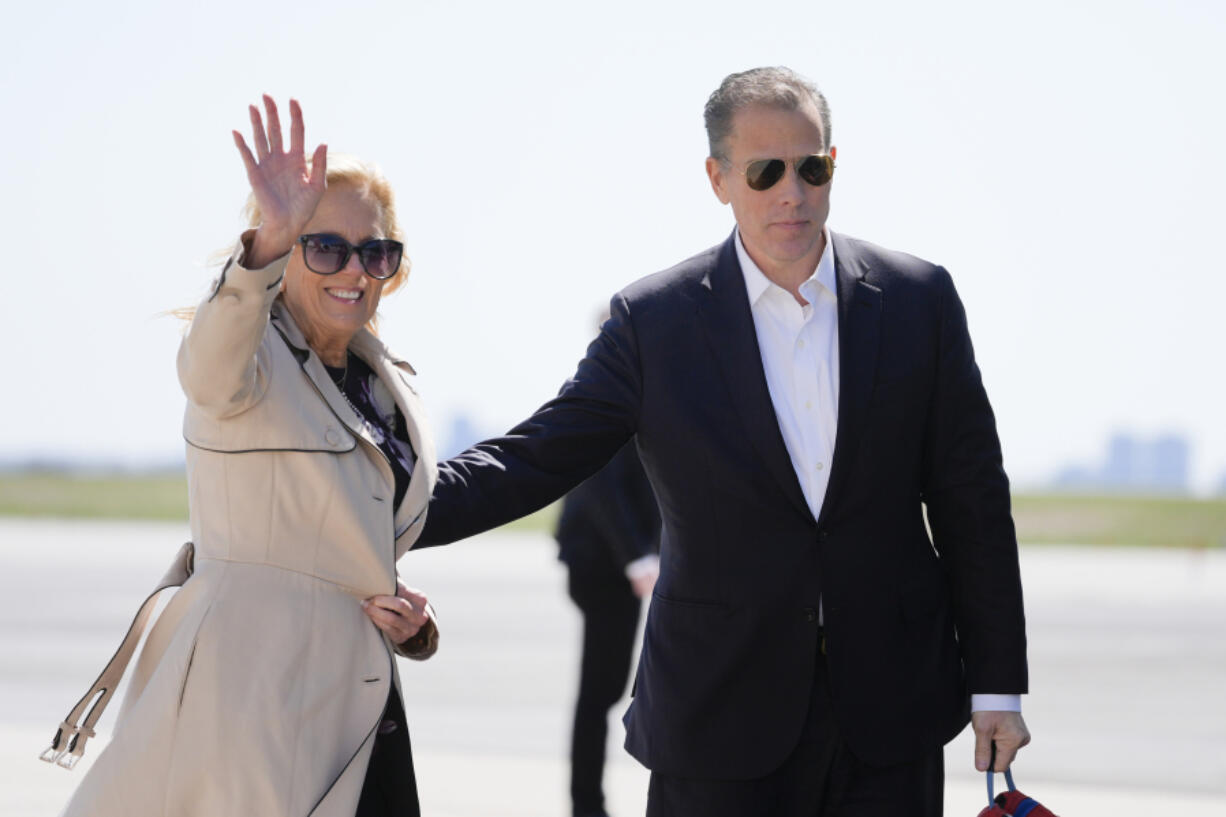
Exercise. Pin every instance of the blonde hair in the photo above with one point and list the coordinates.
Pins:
(343, 170)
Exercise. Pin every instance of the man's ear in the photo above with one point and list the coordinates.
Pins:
(715, 172)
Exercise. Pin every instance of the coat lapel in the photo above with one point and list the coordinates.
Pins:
(728, 323)
(859, 305)
(391, 371)
(314, 369)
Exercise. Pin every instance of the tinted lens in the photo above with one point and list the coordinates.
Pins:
(325, 254)
(763, 173)
(816, 170)
(380, 257)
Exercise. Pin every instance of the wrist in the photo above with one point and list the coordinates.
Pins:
(643, 566)
(267, 244)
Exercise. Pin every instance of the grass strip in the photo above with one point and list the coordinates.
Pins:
(1040, 518)
(1120, 520)
(104, 496)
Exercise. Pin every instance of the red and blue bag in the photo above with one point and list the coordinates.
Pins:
(1012, 803)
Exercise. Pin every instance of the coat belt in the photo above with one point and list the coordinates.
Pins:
(68, 745)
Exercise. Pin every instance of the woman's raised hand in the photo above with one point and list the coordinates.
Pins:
(285, 190)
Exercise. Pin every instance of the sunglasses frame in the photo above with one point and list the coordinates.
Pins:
(350, 249)
(826, 159)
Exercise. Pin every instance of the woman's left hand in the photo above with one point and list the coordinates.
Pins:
(400, 616)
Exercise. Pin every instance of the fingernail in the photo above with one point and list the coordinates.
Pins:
(365, 602)
(981, 766)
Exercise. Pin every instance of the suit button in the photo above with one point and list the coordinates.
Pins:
(332, 437)
(823, 535)
(810, 614)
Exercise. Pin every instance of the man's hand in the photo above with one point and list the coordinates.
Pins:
(1009, 732)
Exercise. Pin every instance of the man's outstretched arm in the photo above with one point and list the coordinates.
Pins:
(563, 443)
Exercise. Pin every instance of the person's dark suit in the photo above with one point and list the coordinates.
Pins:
(731, 639)
(606, 523)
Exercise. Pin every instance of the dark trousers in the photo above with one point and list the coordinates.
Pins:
(390, 788)
(610, 619)
(820, 778)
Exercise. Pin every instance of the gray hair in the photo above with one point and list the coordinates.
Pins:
(777, 87)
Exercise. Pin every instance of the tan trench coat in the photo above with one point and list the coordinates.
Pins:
(262, 683)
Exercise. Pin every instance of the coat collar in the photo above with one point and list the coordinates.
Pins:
(393, 372)
(728, 323)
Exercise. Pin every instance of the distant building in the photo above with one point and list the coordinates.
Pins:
(1134, 465)
(461, 433)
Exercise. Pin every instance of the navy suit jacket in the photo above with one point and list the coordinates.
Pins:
(913, 623)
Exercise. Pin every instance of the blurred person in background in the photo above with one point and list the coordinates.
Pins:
(268, 685)
(608, 536)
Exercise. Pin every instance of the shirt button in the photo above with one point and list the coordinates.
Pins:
(810, 614)
(331, 436)
(800, 344)
(808, 404)
(820, 466)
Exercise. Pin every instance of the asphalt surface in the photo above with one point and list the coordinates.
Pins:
(1127, 657)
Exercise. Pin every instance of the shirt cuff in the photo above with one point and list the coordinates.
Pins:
(643, 566)
(996, 703)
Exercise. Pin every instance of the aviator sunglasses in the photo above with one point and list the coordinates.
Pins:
(764, 173)
(327, 254)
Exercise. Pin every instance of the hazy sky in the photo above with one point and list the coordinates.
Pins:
(1064, 160)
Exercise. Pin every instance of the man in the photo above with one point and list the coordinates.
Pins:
(801, 401)
(608, 535)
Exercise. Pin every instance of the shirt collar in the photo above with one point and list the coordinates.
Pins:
(756, 282)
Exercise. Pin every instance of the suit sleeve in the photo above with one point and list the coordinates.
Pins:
(967, 497)
(564, 442)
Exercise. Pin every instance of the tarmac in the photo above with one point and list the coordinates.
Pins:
(1127, 661)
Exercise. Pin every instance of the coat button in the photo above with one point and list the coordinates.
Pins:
(810, 614)
(332, 437)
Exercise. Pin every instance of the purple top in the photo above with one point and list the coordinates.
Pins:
(357, 382)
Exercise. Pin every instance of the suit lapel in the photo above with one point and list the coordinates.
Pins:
(728, 324)
(859, 305)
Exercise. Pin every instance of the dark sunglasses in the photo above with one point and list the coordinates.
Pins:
(765, 173)
(327, 254)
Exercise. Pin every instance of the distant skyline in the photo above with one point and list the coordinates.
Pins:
(1061, 159)
(1133, 464)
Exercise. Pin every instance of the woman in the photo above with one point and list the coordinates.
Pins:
(268, 684)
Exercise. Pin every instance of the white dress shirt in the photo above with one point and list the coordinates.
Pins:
(800, 358)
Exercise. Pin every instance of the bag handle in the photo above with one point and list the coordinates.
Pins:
(68, 745)
(992, 777)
